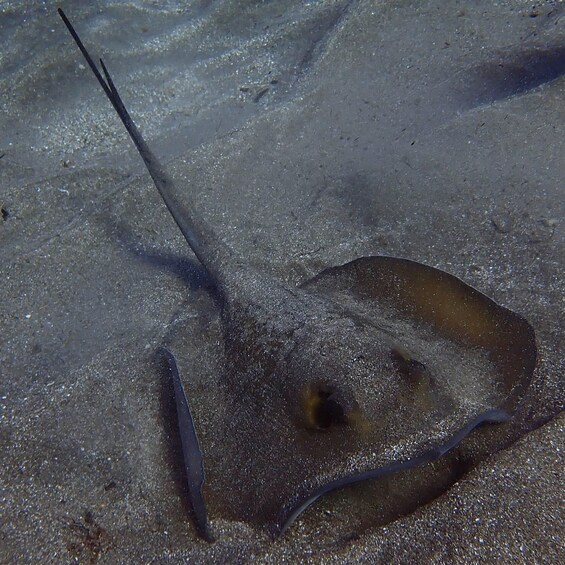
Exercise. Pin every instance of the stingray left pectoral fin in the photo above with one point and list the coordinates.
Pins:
(192, 454)
(288, 515)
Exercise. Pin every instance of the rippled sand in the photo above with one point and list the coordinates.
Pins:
(308, 134)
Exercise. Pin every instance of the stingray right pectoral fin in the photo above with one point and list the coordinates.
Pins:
(450, 309)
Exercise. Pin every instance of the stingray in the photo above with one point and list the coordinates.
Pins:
(369, 368)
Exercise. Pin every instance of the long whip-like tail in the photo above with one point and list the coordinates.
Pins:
(207, 246)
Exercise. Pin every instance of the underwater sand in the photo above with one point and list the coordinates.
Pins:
(308, 134)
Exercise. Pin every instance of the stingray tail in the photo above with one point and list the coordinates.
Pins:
(209, 249)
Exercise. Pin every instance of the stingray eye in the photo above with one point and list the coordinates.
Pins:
(323, 408)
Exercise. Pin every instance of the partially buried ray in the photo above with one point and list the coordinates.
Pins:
(370, 368)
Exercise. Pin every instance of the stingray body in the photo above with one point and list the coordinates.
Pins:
(369, 368)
